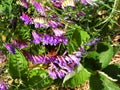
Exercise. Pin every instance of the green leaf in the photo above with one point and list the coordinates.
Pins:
(96, 60)
(91, 61)
(39, 79)
(72, 46)
(78, 37)
(113, 71)
(105, 53)
(100, 81)
(17, 65)
(77, 77)
(2, 9)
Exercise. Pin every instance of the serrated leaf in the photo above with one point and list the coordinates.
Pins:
(101, 81)
(113, 71)
(96, 60)
(39, 79)
(79, 76)
(17, 65)
(105, 53)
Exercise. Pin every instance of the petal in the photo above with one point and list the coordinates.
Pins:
(10, 48)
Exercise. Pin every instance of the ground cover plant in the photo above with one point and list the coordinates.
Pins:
(59, 42)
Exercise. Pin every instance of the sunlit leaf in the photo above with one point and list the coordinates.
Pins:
(77, 77)
(100, 81)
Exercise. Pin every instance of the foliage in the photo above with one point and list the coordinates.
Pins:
(64, 43)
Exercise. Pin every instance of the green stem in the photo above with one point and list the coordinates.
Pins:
(111, 14)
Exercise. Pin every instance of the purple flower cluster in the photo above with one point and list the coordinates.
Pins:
(59, 66)
(54, 24)
(39, 8)
(39, 59)
(58, 32)
(3, 86)
(26, 19)
(40, 22)
(47, 39)
(65, 64)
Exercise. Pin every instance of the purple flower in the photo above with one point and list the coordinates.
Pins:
(93, 42)
(80, 51)
(48, 39)
(58, 32)
(84, 2)
(26, 19)
(40, 22)
(3, 86)
(40, 8)
(52, 71)
(54, 24)
(39, 59)
(10, 48)
(59, 67)
(37, 38)
(55, 71)
(54, 16)
(19, 44)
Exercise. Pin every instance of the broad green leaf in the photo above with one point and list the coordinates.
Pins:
(78, 37)
(79, 76)
(113, 71)
(101, 81)
(99, 59)
(17, 65)
(105, 53)
(39, 79)
(91, 61)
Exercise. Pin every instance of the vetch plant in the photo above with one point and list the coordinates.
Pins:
(60, 42)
